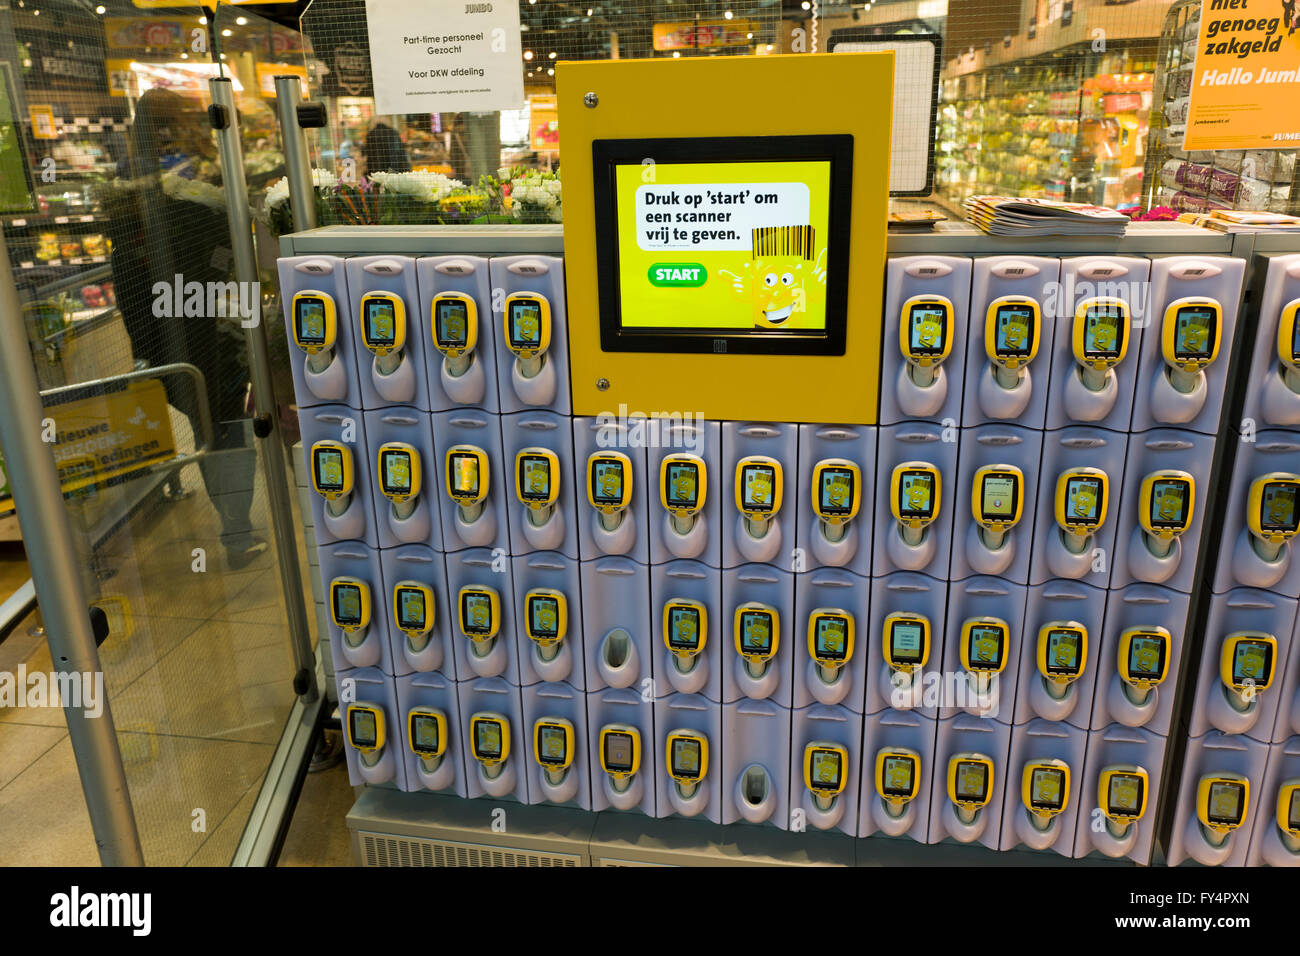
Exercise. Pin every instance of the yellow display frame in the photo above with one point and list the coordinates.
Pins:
(413, 460)
(471, 323)
(642, 99)
(399, 322)
(563, 725)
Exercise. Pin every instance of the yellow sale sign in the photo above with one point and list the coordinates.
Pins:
(1246, 78)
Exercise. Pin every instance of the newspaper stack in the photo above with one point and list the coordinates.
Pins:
(1009, 216)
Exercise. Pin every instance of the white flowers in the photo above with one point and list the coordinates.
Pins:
(424, 186)
(278, 191)
(536, 189)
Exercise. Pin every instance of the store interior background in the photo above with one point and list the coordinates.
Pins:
(1051, 98)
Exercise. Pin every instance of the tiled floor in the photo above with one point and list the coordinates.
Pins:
(199, 686)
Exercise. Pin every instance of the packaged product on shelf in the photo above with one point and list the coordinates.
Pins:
(1176, 111)
(92, 297)
(94, 244)
(69, 248)
(47, 246)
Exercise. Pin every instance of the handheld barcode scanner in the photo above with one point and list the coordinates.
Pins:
(553, 747)
(468, 478)
(546, 620)
(1288, 344)
(332, 475)
(528, 330)
(383, 329)
(413, 610)
(479, 611)
(1045, 790)
(399, 476)
(1012, 326)
(757, 635)
(1222, 800)
(984, 643)
(759, 486)
(1288, 813)
(1165, 503)
(609, 486)
(898, 778)
(682, 485)
(686, 628)
(426, 735)
(1122, 791)
(830, 640)
(365, 725)
(455, 330)
(925, 332)
(350, 608)
(836, 495)
(914, 493)
(315, 327)
(970, 784)
(620, 754)
(1100, 338)
(489, 735)
(1247, 664)
(1272, 514)
(996, 502)
(1189, 339)
(906, 645)
(537, 483)
(1062, 655)
(688, 760)
(1082, 496)
(1143, 661)
(825, 772)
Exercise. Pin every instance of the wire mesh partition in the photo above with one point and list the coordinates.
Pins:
(121, 249)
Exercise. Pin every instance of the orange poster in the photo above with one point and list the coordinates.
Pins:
(1246, 78)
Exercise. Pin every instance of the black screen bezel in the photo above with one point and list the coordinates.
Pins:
(606, 154)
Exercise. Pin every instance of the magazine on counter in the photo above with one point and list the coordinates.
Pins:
(1012, 216)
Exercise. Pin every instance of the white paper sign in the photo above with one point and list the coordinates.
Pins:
(445, 56)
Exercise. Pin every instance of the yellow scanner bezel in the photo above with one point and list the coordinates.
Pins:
(756, 607)
(439, 718)
(1228, 654)
(430, 611)
(1205, 788)
(1081, 528)
(887, 640)
(484, 473)
(1027, 787)
(855, 494)
(413, 458)
(1126, 639)
(1012, 362)
(553, 474)
(399, 322)
(349, 473)
(1003, 525)
(561, 615)
(1003, 628)
(330, 338)
(1287, 353)
(363, 589)
(691, 735)
(1103, 792)
(494, 610)
(625, 463)
(850, 627)
(1044, 639)
(1101, 362)
(1255, 501)
(905, 330)
(471, 323)
(381, 737)
(954, 762)
(701, 483)
(503, 724)
(1169, 333)
(1145, 494)
(626, 730)
(896, 488)
(882, 757)
(703, 614)
(778, 486)
(828, 747)
(544, 320)
(566, 728)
